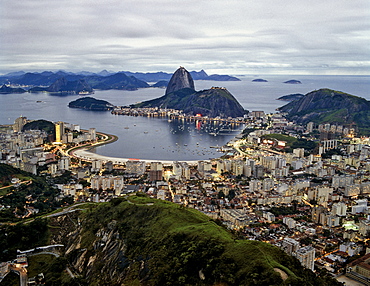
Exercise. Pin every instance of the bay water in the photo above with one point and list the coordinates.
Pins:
(157, 138)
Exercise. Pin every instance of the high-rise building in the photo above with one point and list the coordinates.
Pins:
(134, 167)
(92, 133)
(289, 245)
(156, 171)
(59, 132)
(64, 163)
(96, 165)
(339, 209)
(19, 123)
(306, 255)
(316, 212)
(237, 167)
(309, 127)
(259, 171)
(204, 167)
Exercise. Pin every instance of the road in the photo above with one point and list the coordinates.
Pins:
(23, 279)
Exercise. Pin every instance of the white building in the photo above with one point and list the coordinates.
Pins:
(360, 207)
(290, 245)
(306, 255)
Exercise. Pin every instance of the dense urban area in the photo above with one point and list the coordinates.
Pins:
(303, 189)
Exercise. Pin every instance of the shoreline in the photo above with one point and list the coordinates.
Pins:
(83, 153)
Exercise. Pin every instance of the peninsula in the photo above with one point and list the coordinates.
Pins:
(181, 95)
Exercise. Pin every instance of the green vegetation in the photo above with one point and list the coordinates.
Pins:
(292, 142)
(91, 103)
(35, 191)
(41, 124)
(10, 280)
(210, 102)
(331, 106)
(7, 172)
(168, 244)
(22, 236)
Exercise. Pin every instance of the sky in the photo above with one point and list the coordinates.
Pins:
(225, 37)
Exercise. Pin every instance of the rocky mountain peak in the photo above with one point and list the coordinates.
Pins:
(179, 80)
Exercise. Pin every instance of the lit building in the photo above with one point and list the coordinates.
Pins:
(310, 126)
(59, 131)
(64, 163)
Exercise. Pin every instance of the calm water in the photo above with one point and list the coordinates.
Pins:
(148, 138)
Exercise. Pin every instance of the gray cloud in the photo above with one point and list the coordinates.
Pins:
(236, 36)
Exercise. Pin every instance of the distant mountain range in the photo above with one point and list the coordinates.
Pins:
(85, 81)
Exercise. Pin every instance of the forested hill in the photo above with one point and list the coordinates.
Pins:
(330, 106)
(136, 240)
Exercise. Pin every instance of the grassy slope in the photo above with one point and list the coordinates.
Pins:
(178, 242)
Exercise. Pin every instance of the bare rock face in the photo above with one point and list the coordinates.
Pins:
(179, 80)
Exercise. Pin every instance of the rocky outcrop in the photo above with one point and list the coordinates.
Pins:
(179, 80)
(142, 241)
(180, 94)
(213, 102)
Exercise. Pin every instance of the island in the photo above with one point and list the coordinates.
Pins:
(293, 81)
(90, 103)
(259, 80)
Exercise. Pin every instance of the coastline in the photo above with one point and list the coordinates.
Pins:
(83, 152)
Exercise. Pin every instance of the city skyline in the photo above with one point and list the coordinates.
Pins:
(234, 37)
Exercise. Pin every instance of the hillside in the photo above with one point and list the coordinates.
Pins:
(71, 82)
(180, 94)
(40, 124)
(210, 102)
(141, 241)
(330, 106)
(64, 85)
(291, 97)
(116, 81)
(7, 89)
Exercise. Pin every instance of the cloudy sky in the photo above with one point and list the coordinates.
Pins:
(229, 36)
